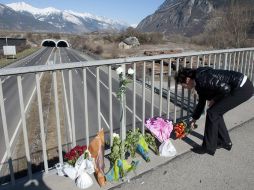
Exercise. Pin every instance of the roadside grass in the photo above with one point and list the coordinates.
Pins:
(4, 61)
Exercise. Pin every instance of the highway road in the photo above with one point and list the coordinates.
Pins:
(11, 97)
(68, 56)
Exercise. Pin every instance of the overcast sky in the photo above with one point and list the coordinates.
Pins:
(130, 11)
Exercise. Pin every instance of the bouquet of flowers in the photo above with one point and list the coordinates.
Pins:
(72, 156)
(182, 129)
(96, 148)
(135, 142)
(120, 167)
(160, 128)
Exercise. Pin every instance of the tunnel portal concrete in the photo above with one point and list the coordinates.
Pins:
(53, 43)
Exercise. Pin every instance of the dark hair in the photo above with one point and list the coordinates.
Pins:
(183, 73)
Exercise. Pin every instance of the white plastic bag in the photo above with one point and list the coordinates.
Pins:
(84, 181)
(71, 172)
(89, 165)
(167, 149)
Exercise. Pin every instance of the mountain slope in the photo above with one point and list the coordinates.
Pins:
(22, 16)
(187, 17)
(12, 20)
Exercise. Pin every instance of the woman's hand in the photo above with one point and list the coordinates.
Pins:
(211, 103)
(193, 124)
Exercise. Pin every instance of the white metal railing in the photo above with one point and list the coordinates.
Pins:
(167, 101)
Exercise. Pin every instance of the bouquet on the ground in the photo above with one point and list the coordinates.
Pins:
(72, 156)
(119, 166)
(83, 166)
(182, 129)
(96, 148)
(160, 128)
(136, 142)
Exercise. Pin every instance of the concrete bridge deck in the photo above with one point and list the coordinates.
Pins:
(234, 118)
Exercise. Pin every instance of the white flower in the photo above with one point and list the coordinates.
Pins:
(116, 135)
(130, 71)
(119, 70)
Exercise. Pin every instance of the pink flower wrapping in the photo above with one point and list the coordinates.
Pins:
(160, 128)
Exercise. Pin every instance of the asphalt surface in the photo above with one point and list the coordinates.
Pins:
(225, 170)
(11, 96)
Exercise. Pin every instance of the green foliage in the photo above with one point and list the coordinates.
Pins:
(131, 142)
(116, 150)
(151, 142)
(123, 86)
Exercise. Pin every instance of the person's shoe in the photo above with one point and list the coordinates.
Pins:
(227, 146)
(202, 150)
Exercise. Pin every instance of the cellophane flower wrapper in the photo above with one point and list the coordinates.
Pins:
(142, 148)
(96, 148)
(120, 169)
(160, 128)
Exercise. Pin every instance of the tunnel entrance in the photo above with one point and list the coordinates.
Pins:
(53, 43)
(48, 43)
(62, 43)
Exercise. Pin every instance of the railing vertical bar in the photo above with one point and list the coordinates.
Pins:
(182, 96)
(238, 61)
(189, 100)
(246, 61)
(67, 109)
(252, 66)
(86, 106)
(57, 119)
(72, 110)
(23, 117)
(152, 90)
(169, 86)
(175, 102)
(110, 103)
(6, 134)
(198, 61)
(203, 60)
(143, 97)
(209, 60)
(229, 62)
(189, 92)
(225, 61)
(242, 61)
(161, 86)
(234, 59)
(248, 74)
(98, 97)
(43, 139)
(214, 60)
(219, 60)
(191, 62)
(134, 98)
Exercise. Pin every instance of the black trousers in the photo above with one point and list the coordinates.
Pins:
(215, 128)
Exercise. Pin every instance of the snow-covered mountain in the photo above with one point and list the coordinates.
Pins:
(56, 20)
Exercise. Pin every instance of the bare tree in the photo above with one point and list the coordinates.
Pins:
(237, 21)
(229, 26)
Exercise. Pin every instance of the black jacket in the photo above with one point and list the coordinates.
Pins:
(212, 84)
